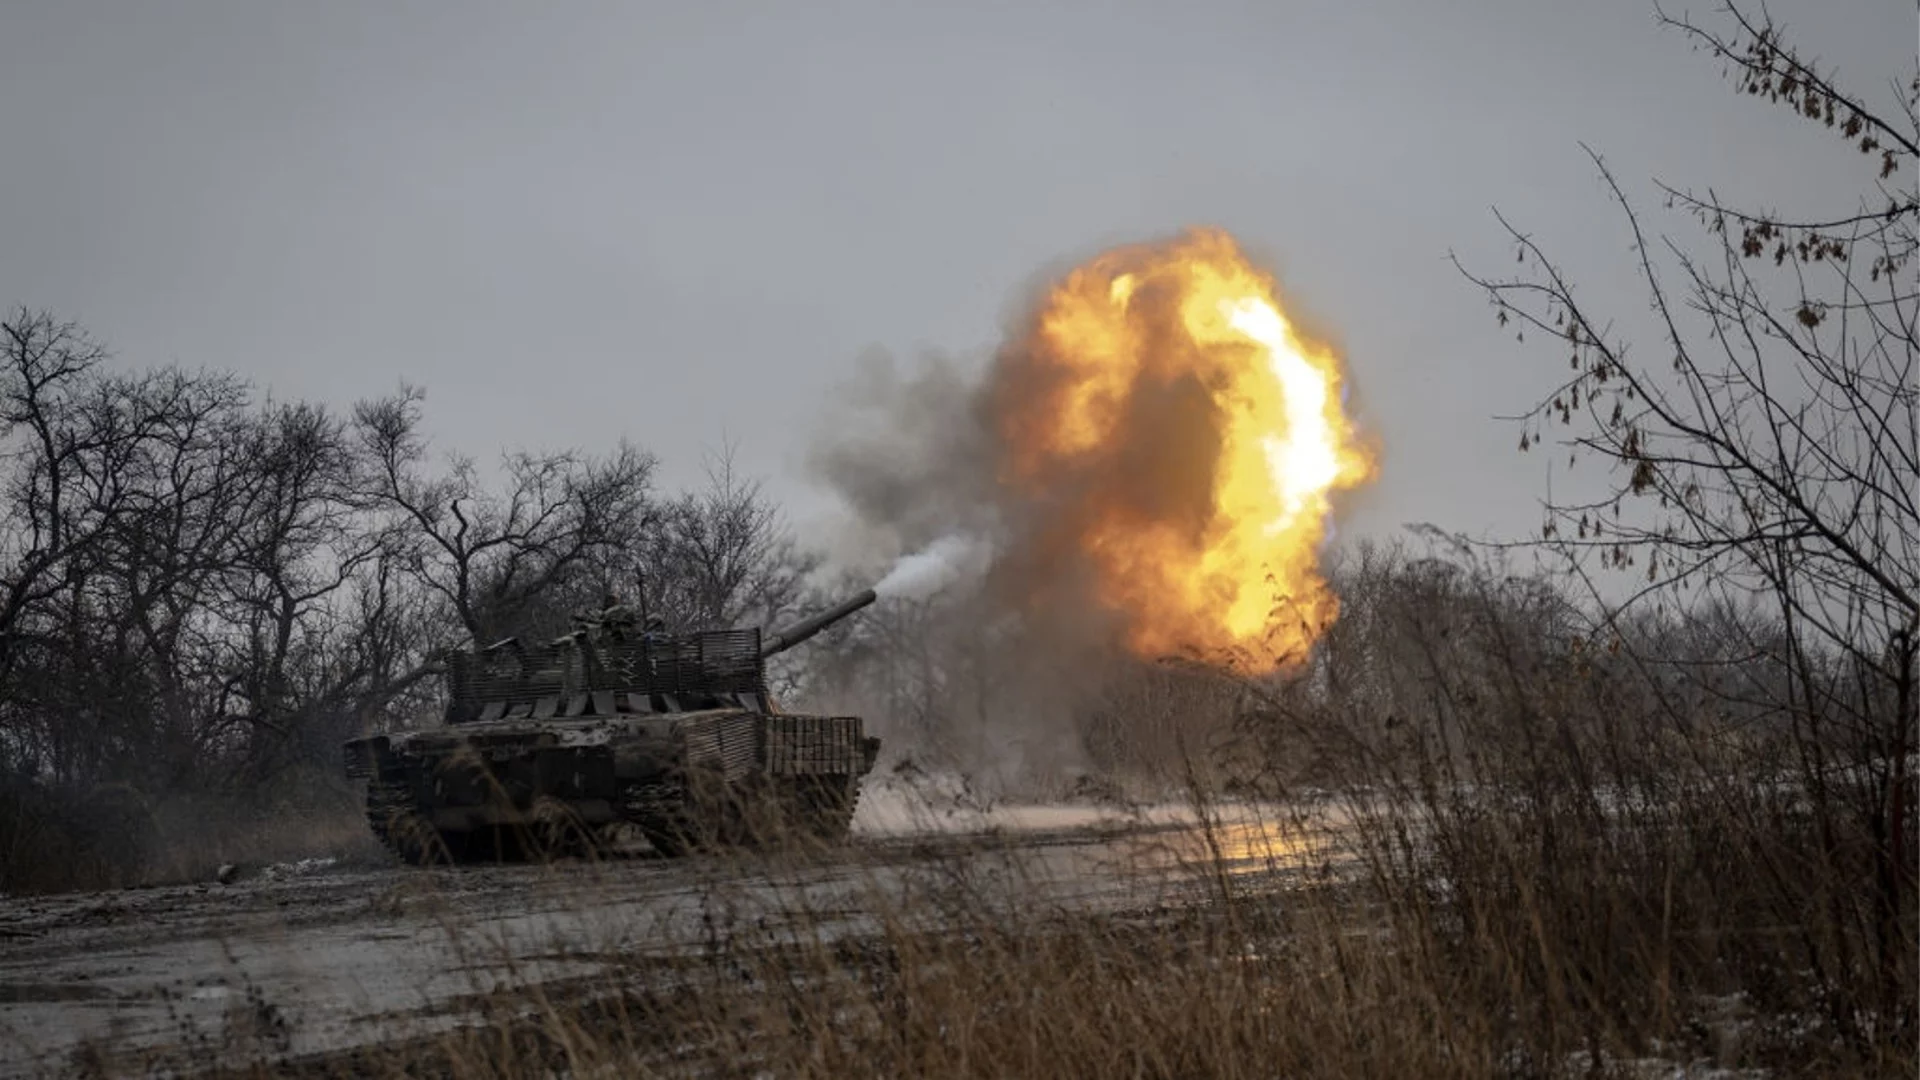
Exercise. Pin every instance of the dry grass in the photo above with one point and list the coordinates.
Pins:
(115, 836)
(1451, 945)
(1550, 873)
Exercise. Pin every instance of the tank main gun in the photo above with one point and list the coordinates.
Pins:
(786, 638)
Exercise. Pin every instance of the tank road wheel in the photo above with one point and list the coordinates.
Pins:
(670, 837)
(659, 810)
(399, 825)
(557, 832)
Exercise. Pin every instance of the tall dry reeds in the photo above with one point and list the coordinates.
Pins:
(1475, 839)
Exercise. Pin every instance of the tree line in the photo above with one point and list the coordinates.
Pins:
(203, 587)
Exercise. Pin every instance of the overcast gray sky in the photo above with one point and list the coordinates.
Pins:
(573, 221)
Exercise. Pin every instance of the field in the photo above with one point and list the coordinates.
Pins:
(1317, 937)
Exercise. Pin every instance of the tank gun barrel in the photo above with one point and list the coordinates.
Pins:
(787, 637)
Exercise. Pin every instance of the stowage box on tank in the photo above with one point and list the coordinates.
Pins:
(547, 747)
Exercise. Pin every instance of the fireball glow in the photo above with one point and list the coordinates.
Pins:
(1195, 437)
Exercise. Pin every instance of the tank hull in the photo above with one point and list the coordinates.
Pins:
(503, 789)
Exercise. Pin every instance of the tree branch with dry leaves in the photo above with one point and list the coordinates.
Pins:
(1763, 443)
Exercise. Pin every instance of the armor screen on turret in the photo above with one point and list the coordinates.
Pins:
(709, 662)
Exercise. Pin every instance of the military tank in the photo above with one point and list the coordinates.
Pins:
(550, 748)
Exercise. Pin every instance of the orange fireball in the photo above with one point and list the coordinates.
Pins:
(1182, 440)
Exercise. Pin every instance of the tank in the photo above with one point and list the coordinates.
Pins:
(550, 748)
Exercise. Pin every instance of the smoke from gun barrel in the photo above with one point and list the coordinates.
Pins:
(788, 637)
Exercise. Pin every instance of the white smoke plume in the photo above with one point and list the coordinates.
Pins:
(946, 561)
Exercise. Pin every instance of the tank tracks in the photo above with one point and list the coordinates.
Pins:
(674, 821)
(401, 829)
(397, 823)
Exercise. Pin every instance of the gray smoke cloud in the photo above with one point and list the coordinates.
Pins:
(908, 456)
(954, 667)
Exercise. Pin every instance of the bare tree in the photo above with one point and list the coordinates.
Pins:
(126, 490)
(488, 554)
(59, 444)
(723, 556)
(1770, 445)
(288, 677)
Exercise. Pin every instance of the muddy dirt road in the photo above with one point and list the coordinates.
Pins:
(299, 959)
